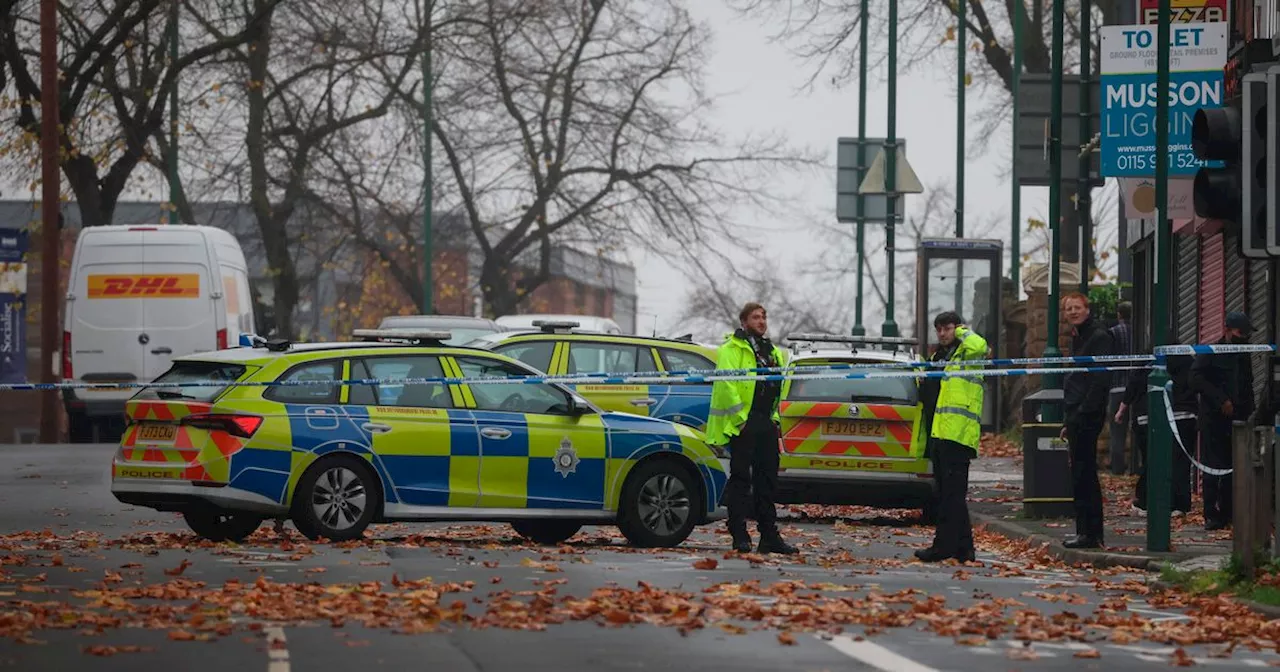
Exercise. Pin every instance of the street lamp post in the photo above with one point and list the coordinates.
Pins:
(1054, 381)
(858, 329)
(890, 326)
(428, 85)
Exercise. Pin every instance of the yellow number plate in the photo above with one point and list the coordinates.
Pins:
(156, 432)
(852, 428)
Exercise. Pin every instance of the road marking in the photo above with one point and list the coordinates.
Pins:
(875, 655)
(277, 649)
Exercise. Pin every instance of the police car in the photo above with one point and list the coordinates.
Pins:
(853, 441)
(560, 348)
(337, 458)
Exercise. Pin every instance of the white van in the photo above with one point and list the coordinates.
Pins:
(139, 296)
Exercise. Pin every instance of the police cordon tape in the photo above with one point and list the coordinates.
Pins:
(1166, 392)
(821, 372)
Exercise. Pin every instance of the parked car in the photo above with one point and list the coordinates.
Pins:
(336, 459)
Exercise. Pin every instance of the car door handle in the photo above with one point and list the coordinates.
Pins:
(495, 433)
(376, 427)
(162, 351)
(643, 402)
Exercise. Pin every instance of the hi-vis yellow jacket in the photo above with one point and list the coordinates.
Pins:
(731, 399)
(958, 415)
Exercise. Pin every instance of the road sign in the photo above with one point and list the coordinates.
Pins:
(1198, 53)
(1033, 129)
(849, 175)
(906, 183)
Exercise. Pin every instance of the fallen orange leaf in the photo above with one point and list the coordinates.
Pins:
(706, 563)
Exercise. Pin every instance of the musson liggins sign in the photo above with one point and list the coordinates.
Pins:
(1197, 55)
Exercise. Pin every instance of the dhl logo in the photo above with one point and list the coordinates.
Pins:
(181, 286)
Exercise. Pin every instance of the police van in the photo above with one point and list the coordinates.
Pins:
(137, 297)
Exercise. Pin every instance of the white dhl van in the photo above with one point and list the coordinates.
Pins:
(137, 297)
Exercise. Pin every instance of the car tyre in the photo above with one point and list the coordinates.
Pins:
(336, 499)
(659, 505)
(546, 531)
(222, 525)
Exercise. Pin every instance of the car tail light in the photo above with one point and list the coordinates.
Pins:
(67, 373)
(143, 228)
(235, 425)
(222, 339)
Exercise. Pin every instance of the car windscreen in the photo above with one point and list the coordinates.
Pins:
(844, 390)
(187, 372)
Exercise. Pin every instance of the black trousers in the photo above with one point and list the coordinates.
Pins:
(1180, 479)
(1216, 453)
(1082, 436)
(954, 535)
(753, 478)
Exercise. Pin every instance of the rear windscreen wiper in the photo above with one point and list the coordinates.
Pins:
(170, 394)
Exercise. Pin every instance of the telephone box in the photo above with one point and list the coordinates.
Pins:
(964, 276)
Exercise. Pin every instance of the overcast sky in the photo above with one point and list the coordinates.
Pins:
(761, 79)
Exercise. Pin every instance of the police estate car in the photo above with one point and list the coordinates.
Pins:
(559, 348)
(336, 458)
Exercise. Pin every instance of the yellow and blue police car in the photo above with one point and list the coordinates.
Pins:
(336, 458)
(853, 441)
(559, 348)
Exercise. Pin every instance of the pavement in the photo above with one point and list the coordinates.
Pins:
(995, 499)
(91, 584)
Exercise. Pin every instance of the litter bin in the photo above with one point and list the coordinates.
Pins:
(1046, 461)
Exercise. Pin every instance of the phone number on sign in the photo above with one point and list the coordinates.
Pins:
(1177, 161)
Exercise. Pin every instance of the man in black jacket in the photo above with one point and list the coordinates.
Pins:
(1225, 385)
(1183, 400)
(1085, 401)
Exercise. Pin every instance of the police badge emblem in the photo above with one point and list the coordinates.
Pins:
(566, 459)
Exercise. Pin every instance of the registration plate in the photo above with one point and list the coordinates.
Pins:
(852, 428)
(156, 432)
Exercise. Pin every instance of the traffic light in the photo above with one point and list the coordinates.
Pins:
(1271, 138)
(1236, 192)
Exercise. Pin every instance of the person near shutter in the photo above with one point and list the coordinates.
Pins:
(1085, 404)
(1183, 401)
(1225, 385)
(952, 410)
(744, 416)
(1123, 338)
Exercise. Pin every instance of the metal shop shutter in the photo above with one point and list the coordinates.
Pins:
(1259, 314)
(1237, 279)
(1212, 291)
(1186, 287)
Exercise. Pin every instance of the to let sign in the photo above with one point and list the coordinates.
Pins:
(1197, 54)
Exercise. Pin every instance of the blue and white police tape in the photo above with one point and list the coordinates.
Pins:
(1214, 349)
(1166, 391)
(572, 380)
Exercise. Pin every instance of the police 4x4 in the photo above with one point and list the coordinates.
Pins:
(335, 458)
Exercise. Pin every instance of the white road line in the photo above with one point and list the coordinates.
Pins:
(277, 649)
(875, 655)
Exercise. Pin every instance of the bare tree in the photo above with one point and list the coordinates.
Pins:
(583, 122)
(712, 304)
(115, 75)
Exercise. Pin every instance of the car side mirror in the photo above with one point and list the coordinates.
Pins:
(576, 409)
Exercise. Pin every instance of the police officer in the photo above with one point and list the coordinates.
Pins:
(1183, 402)
(952, 419)
(744, 416)
(1225, 385)
(1084, 396)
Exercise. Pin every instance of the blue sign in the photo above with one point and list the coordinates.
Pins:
(1197, 54)
(13, 299)
(13, 245)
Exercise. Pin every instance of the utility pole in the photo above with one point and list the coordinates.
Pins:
(50, 206)
(173, 114)
(1160, 437)
(428, 281)
(858, 329)
(1015, 207)
(961, 40)
(1054, 381)
(1084, 199)
(890, 326)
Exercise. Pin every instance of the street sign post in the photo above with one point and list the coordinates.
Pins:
(849, 176)
(906, 181)
(1032, 137)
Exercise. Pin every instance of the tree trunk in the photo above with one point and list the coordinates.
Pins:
(498, 289)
